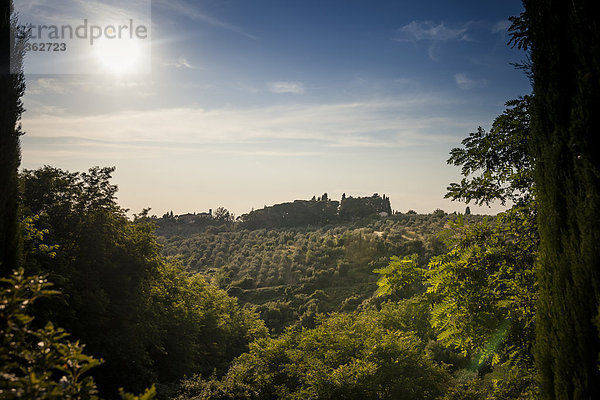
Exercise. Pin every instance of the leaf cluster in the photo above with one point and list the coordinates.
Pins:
(38, 363)
(497, 165)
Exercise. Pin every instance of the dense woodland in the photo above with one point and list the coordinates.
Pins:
(320, 299)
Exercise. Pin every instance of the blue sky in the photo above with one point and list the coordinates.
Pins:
(251, 103)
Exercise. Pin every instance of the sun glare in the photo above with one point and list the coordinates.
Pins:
(118, 56)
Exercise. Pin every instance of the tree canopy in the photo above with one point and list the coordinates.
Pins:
(150, 321)
(497, 165)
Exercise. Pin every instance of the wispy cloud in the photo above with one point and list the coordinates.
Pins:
(394, 123)
(466, 83)
(501, 26)
(192, 11)
(433, 34)
(46, 86)
(286, 87)
(63, 91)
(180, 63)
(430, 31)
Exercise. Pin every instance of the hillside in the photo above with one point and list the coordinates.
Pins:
(292, 274)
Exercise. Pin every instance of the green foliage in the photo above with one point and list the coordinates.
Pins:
(518, 384)
(102, 263)
(298, 213)
(367, 355)
(198, 327)
(315, 212)
(148, 394)
(483, 295)
(34, 246)
(38, 363)
(222, 214)
(472, 390)
(501, 155)
(360, 207)
(281, 270)
(484, 288)
(399, 274)
(188, 224)
(150, 322)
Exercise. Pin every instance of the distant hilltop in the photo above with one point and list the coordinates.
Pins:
(318, 211)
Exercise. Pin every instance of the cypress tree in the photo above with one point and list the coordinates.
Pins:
(12, 86)
(564, 39)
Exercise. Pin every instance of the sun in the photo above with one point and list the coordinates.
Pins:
(118, 56)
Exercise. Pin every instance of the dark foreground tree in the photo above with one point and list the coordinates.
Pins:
(564, 38)
(151, 322)
(12, 87)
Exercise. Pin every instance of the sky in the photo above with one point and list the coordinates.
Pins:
(247, 103)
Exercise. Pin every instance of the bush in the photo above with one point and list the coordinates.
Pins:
(38, 363)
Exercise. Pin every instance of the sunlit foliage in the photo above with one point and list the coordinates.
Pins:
(367, 355)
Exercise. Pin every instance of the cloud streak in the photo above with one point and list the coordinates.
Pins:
(46, 85)
(193, 12)
(501, 26)
(384, 124)
(180, 63)
(286, 87)
(430, 31)
(466, 83)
